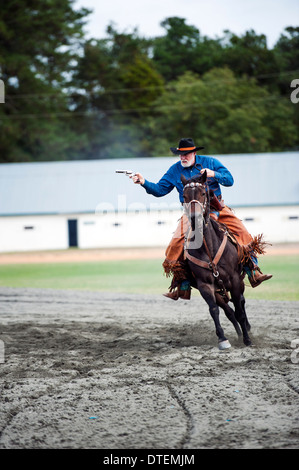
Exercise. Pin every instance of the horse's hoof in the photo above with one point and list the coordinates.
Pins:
(224, 345)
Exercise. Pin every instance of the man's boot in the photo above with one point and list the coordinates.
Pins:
(182, 291)
(256, 277)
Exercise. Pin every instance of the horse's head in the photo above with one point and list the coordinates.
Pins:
(195, 206)
(195, 195)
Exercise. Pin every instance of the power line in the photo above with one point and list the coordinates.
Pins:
(148, 88)
(153, 109)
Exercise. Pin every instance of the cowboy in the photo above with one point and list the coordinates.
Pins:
(189, 165)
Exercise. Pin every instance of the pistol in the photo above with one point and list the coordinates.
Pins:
(127, 173)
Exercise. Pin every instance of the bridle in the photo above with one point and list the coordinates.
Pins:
(213, 262)
(203, 204)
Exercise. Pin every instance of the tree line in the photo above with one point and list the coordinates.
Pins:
(124, 95)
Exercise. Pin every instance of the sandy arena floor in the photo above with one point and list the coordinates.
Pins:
(110, 371)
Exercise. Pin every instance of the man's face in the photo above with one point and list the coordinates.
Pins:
(188, 159)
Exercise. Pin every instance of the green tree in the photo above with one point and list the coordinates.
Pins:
(120, 83)
(224, 113)
(117, 73)
(287, 56)
(183, 49)
(286, 51)
(124, 95)
(39, 42)
(249, 55)
(174, 53)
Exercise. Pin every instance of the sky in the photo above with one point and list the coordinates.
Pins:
(211, 17)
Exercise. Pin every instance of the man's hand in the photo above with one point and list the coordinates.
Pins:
(210, 173)
(137, 178)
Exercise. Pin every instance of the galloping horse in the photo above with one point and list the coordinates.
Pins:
(214, 261)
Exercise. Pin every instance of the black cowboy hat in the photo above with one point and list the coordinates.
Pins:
(186, 145)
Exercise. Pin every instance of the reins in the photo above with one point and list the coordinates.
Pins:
(212, 264)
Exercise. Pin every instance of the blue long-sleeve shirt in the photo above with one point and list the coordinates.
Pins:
(172, 178)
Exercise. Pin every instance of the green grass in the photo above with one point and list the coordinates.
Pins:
(141, 276)
(134, 276)
(285, 282)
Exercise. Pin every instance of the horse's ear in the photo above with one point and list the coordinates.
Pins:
(204, 177)
(183, 180)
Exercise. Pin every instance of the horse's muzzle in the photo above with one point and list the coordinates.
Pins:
(193, 208)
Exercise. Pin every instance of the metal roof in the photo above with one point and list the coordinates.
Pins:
(92, 185)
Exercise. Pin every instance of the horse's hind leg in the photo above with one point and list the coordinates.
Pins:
(243, 306)
(209, 297)
(241, 286)
(240, 314)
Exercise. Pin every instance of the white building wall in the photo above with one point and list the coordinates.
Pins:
(132, 229)
(279, 224)
(29, 233)
(129, 229)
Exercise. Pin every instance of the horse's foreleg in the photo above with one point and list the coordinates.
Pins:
(209, 296)
(229, 313)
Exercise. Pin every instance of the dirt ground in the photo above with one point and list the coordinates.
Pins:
(92, 370)
(77, 255)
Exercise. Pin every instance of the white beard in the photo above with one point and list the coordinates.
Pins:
(186, 164)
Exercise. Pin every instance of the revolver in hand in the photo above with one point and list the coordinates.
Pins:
(129, 173)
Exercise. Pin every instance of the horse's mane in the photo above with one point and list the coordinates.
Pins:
(218, 227)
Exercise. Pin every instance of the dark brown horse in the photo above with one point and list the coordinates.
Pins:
(214, 261)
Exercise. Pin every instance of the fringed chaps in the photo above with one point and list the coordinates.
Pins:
(174, 264)
(256, 247)
(247, 246)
